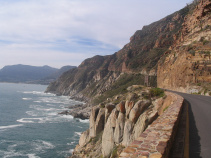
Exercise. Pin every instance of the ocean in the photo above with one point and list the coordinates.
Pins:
(30, 126)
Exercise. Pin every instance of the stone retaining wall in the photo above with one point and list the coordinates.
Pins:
(156, 141)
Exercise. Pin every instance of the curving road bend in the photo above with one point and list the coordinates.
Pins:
(199, 125)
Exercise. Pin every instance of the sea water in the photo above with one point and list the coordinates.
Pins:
(30, 126)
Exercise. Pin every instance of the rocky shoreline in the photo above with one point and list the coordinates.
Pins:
(81, 111)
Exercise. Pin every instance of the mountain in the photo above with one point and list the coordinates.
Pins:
(165, 53)
(30, 74)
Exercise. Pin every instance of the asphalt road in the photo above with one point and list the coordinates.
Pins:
(199, 125)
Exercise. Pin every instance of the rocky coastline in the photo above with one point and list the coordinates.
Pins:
(81, 111)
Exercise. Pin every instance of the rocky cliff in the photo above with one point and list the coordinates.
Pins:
(186, 66)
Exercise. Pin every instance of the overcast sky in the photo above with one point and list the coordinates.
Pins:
(65, 32)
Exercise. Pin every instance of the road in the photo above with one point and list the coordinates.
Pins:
(200, 125)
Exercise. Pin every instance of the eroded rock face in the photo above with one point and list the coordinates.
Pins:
(138, 108)
(140, 125)
(127, 133)
(187, 64)
(128, 106)
(84, 138)
(100, 121)
(119, 129)
(121, 107)
(92, 119)
(108, 138)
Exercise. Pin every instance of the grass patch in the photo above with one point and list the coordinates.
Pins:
(157, 92)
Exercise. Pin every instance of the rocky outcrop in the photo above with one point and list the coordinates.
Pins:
(112, 127)
(156, 141)
(187, 66)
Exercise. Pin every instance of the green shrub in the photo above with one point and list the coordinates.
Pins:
(156, 92)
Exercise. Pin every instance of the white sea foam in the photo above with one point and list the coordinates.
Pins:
(10, 126)
(41, 145)
(27, 98)
(67, 116)
(78, 133)
(29, 120)
(84, 121)
(71, 151)
(32, 156)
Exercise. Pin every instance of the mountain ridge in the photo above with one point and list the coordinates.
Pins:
(31, 74)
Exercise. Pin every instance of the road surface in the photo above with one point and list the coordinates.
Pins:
(199, 125)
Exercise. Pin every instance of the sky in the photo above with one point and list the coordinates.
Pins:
(66, 32)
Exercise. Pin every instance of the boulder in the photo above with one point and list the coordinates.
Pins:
(128, 128)
(108, 138)
(109, 107)
(100, 121)
(92, 119)
(114, 116)
(119, 129)
(132, 96)
(84, 138)
(128, 106)
(138, 108)
(121, 107)
(140, 125)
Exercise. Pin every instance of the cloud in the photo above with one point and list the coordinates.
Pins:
(66, 28)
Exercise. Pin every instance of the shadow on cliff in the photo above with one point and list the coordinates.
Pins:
(194, 138)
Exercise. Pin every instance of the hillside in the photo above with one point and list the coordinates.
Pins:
(180, 38)
(135, 63)
(31, 74)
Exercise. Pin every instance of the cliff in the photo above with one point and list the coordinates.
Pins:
(187, 65)
(137, 60)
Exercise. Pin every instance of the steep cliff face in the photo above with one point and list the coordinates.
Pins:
(97, 75)
(187, 66)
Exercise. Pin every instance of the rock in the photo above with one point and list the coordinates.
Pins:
(84, 138)
(128, 128)
(128, 106)
(110, 107)
(140, 125)
(132, 96)
(167, 101)
(119, 129)
(152, 116)
(92, 120)
(64, 112)
(114, 116)
(138, 108)
(121, 107)
(108, 138)
(79, 115)
(100, 121)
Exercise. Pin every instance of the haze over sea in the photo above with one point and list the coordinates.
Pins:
(30, 126)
